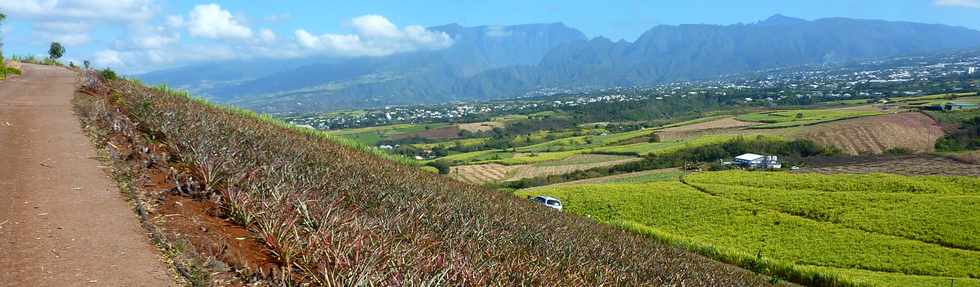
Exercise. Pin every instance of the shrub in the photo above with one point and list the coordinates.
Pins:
(966, 137)
(441, 166)
(108, 74)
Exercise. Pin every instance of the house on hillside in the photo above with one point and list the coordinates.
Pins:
(751, 160)
(959, 106)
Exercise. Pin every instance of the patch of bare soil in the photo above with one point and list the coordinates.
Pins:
(914, 131)
(906, 165)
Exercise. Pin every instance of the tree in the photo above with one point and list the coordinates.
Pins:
(441, 166)
(3, 65)
(56, 51)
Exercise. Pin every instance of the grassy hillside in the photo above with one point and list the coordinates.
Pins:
(876, 229)
(333, 214)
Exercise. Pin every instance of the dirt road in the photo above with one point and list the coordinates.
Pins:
(62, 220)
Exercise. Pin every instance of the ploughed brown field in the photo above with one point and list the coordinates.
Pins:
(914, 131)
(906, 165)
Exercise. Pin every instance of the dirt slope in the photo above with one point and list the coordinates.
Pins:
(62, 221)
(914, 131)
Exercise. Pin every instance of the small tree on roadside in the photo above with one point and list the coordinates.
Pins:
(86, 64)
(56, 51)
(3, 63)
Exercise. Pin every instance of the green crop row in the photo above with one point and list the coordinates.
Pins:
(758, 232)
(936, 218)
(874, 182)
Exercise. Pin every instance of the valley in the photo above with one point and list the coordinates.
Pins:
(368, 143)
(864, 197)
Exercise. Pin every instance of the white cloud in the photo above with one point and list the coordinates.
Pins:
(70, 21)
(374, 35)
(958, 3)
(210, 21)
(68, 39)
(155, 41)
(63, 26)
(175, 21)
(95, 10)
(267, 35)
(277, 18)
(107, 58)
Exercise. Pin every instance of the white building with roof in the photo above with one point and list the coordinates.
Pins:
(751, 160)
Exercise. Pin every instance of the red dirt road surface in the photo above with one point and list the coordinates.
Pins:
(62, 220)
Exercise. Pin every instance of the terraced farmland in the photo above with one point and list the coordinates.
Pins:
(874, 229)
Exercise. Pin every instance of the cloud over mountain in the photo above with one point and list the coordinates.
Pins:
(374, 35)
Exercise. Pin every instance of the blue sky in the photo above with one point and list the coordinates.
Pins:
(142, 35)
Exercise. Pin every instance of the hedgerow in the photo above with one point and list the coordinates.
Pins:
(334, 214)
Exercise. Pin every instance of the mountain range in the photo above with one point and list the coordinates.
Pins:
(492, 62)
